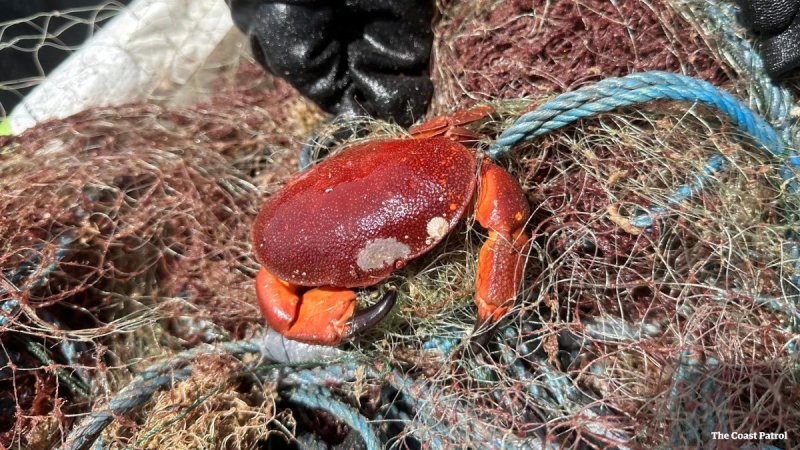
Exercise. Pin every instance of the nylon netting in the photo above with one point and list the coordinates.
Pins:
(125, 239)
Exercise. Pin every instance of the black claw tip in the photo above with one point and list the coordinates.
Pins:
(367, 318)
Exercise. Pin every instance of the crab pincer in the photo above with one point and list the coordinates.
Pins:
(323, 315)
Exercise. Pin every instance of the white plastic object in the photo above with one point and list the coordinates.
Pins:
(150, 45)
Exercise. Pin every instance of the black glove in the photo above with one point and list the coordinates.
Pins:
(778, 23)
(350, 57)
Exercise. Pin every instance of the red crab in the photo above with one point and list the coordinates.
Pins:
(356, 217)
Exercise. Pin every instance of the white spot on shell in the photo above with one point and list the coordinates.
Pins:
(436, 228)
(380, 253)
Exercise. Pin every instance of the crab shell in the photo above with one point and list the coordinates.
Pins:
(356, 217)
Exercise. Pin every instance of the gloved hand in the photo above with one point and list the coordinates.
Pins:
(351, 57)
(778, 23)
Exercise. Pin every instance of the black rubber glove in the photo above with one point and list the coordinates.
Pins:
(778, 23)
(350, 57)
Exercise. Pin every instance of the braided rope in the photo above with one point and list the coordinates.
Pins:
(773, 101)
(635, 89)
(715, 165)
(317, 397)
(640, 88)
(176, 369)
(144, 386)
(132, 396)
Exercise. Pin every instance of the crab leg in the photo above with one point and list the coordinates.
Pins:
(503, 209)
(323, 315)
(452, 126)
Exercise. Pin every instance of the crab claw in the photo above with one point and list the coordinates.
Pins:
(369, 317)
(323, 315)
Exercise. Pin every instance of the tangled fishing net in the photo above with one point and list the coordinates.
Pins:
(519, 48)
(126, 289)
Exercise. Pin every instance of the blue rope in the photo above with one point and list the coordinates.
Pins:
(134, 395)
(773, 101)
(317, 397)
(143, 387)
(162, 374)
(715, 165)
(324, 375)
(640, 88)
(635, 89)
